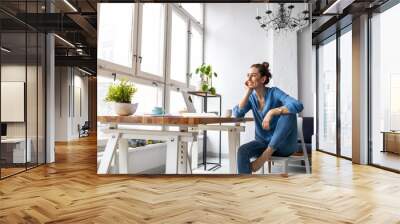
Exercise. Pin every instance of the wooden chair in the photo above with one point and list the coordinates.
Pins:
(285, 160)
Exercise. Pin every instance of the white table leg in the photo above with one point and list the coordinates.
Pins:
(233, 141)
(108, 153)
(182, 157)
(195, 154)
(114, 166)
(182, 153)
(172, 156)
(237, 137)
(123, 156)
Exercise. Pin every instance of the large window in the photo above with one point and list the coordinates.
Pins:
(116, 24)
(153, 96)
(385, 88)
(179, 40)
(148, 96)
(177, 103)
(194, 9)
(346, 94)
(327, 96)
(103, 108)
(196, 53)
(151, 56)
(163, 57)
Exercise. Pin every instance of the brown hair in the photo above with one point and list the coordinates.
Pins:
(263, 69)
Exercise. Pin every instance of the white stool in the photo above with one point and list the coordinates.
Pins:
(285, 160)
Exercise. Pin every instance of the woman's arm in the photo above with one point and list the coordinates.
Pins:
(244, 106)
(290, 106)
(245, 100)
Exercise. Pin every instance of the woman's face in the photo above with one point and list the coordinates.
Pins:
(254, 78)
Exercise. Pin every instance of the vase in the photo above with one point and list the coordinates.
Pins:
(125, 109)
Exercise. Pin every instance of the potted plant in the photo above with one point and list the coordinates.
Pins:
(206, 74)
(120, 94)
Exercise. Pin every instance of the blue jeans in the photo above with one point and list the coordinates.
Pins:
(283, 143)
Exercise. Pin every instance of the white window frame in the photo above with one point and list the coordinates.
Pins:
(106, 68)
(179, 11)
(199, 28)
(192, 18)
(119, 75)
(107, 65)
(138, 72)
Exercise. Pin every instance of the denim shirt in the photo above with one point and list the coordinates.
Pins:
(274, 97)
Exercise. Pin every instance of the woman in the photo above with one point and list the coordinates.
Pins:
(275, 118)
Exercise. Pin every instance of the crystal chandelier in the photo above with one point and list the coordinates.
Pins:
(283, 20)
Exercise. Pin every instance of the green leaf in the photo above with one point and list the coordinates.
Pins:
(197, 70)
(202, 69)
(215, 74)
(121, 92)
(212, 90)
(207, 70)
(204, 87)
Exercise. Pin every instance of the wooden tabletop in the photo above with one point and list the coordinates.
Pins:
(169, 120)
(391, 132)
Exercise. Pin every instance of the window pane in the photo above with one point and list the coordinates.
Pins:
(196, 55)
(177, 103)
(346, 94)
(152, 41)
(327, 97)
(115, 33)
(385, 85)
(178, 48)
(103, 108)
(195, 9)
(148, 97)
(14, 68)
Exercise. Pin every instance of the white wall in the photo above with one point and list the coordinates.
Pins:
(61, 103)
(80, 83)
(284, 65)
(68, 82)
(233, 41)
(306, 76)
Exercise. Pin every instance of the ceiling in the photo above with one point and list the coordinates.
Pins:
(76, 20)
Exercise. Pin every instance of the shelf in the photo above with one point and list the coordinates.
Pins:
(203, 94)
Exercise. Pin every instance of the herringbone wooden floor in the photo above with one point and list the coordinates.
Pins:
(69, 191)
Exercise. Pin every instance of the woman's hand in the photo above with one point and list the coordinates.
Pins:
(249, 85)
(271, 113)
(267, 120)
(245, 99)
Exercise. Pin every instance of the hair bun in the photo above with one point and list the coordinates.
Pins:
(266, 65)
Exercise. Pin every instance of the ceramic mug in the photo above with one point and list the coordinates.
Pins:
(157, 111)
(228, 113)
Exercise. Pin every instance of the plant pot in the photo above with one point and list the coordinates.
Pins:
(125, 109)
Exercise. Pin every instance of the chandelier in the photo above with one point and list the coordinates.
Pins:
(283, 20)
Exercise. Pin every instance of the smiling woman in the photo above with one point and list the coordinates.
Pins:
(275, 117)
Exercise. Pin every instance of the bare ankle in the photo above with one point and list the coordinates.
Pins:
(268, 153)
